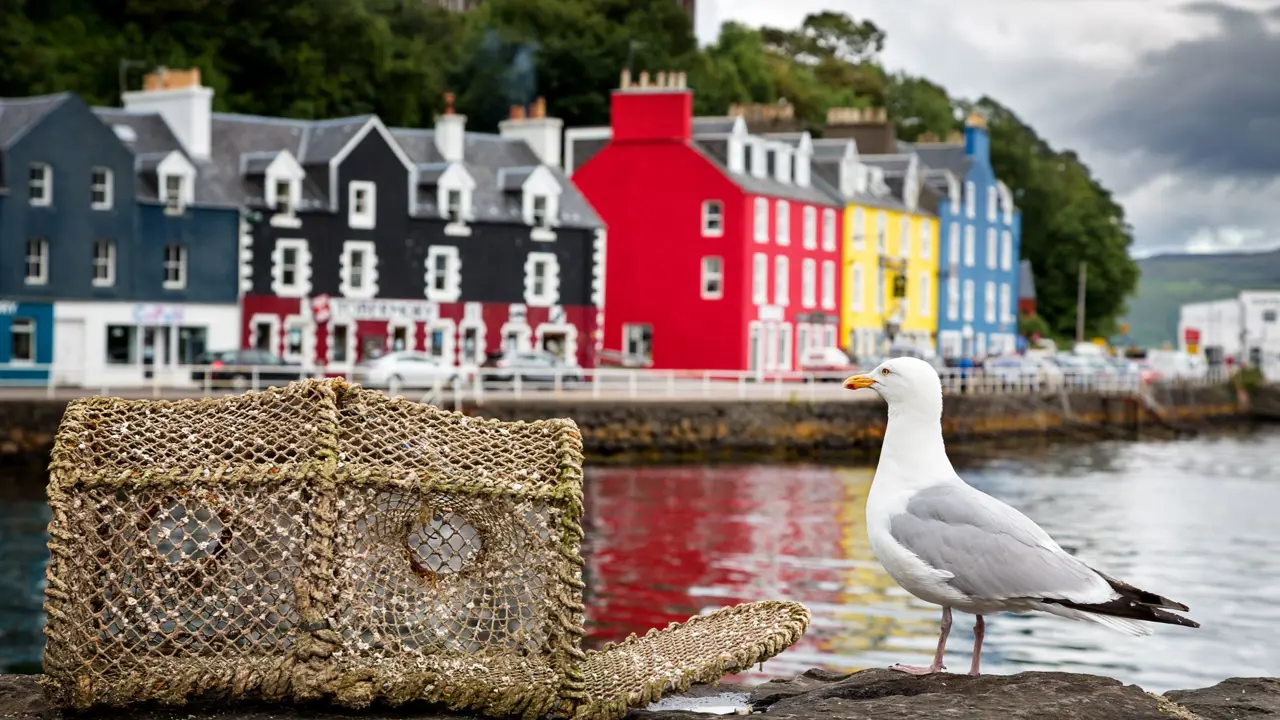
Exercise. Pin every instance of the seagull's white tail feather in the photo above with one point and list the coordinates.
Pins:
(1124, 625)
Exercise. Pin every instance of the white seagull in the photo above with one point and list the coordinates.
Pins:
(952, 545)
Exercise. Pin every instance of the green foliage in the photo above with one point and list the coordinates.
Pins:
(1248, 378)
(396, 58)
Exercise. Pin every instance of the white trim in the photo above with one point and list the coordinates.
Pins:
(472, 319)
(448, 339)
(809, 227)
(829, 230)
(357, 220)
(859, 230)
(760, 279)
(760, 219)
(351, 347)
(455, 178)
(970, 199)
(541, 183)
(967, 301)
(925, 300)
(410, 336)
(453, 274)
(518, 323)
(369, 286)
(708, 274)
(46, 185)
(993, 249)
(107, 186)
(781, 280)
(1006, 250)
(301, 286)
(175, 164)
(786, 348)
(572, 135)
(829, 283)
(246, 256)
(782, 221)
(266, 319)
(307, 352)
(904, 236)
(970, 243)
(43, 277)
(570, 332)
(336, 160)
(926, 238)
(31, 330)
(953, 298)
(859, 289)
(550, 294)
(808, 283)
(599, 250)
(284, 168)
(183, 265)
(989, 302)
(110, 263)
(707, 230)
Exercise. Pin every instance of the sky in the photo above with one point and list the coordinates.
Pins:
(1174, 105)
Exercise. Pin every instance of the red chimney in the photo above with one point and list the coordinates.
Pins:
(652, 112)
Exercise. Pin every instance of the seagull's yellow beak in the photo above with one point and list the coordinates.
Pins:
(858, 382)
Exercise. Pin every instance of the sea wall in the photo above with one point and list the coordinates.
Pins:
(709, 430)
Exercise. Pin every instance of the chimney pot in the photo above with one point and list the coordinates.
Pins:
(540, 107)
(517, 112)
(684, 79)
(448, 103)
(662, 79)
(626, 79)
(644, 78)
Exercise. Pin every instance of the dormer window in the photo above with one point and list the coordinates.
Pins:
(40, 185)
(453, 205)
(540, 210)
(284, 197)
(174, 192)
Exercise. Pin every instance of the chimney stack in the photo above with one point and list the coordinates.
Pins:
(539, 132)
(451, 131)
(184, 104)
(626, 79)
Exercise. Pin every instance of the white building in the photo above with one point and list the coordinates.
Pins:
(1242, 326)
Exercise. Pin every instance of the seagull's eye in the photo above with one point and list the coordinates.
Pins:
(884, 371)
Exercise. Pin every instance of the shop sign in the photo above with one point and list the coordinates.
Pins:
(386, 310)
(155, 314)
(8, 307)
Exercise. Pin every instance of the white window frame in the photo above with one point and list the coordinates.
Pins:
(760, 279)
(368, 287)
(880, 290)
(859, 230)
(179, 264)
(1006, 302)
(761, 226)
(968, 301)
(712, 270)
(29, 328)
(829, 225)
(993, 249)
(926, 239)
(804, 338)
(547, 213)
(829, 336)
(105, 187)
(782, 218)
(858, 290)
(306, 346)
(808, 283)
(970, 240)
(550, 294)
(106, 261)
(356, 218)
(175, 199)
(452, 288)
(925, 305)
(828, 284)
(785, 348)
(712, 218)
(637, 329)
(953, 298)
(810, 228)
(904, 237)
(989, 302)
(781, 280)
(1006, 250)
(454, 213)
(970, 199)
(40, 258)
(882, 233)
(991, 204)
(44, 183)
(953, 246)
(301, 285)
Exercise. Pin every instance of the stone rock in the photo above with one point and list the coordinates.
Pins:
(815, 695)
(1234, 699)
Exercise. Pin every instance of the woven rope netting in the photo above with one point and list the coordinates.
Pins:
(322, 541)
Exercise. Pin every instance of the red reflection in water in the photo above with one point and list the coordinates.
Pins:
(664, 544)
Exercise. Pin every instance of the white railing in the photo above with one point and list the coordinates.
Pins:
(471, 384)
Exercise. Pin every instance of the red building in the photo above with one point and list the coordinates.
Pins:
(724, 249)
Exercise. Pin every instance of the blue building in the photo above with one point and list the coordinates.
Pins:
(116, 263)
(980, 239)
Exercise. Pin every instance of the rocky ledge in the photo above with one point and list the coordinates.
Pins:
(817, 694)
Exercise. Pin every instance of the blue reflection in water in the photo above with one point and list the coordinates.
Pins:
(23, 556)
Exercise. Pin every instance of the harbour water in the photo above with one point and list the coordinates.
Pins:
(1192, 519)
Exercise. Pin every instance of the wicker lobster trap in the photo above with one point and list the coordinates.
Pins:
(325, 542)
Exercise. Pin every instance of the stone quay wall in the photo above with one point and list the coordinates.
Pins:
(710, 430)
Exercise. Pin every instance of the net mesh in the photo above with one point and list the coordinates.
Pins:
(321, 541)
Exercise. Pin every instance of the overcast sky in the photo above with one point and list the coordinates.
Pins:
(1174, 105)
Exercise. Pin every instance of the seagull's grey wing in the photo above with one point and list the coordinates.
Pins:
(992, 551)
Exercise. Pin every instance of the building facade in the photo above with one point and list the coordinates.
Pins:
(726, 255)
(116, 264)
(979, 247)
(1245, 328)
(360, 239)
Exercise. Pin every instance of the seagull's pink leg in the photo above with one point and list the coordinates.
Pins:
(937, 665)
(979, 628)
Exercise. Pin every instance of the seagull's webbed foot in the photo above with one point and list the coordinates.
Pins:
(918, 669)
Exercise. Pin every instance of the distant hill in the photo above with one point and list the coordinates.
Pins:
(1169, 281)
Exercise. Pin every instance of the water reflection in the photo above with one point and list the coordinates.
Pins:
(1192, 519)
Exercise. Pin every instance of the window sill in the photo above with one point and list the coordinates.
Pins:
(40, 203)
(100, 207)
(442, 296)
(457, 229)
(542, 234)
(356, 293)
(104, 283)
(539, 302)
(361, 223)
(719, 296)
(174, 210)
(707, 233)
(174, 286)
(40, 282)
(285, 221)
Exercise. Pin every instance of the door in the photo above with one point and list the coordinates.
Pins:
(155, 350)
(68, 352)
(753, 349)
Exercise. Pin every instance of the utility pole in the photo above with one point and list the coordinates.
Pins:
(1080, 303)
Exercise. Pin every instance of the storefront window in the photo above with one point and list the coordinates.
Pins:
(262, 336)
(293, 343)
(437, 343)
(191, 344)
(469, 343)
(400, 339)
(22, 339)
(338, 353)
(121, 344)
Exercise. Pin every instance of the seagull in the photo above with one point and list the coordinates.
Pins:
(953, 545)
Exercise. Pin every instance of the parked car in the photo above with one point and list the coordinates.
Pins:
(827, 363)
(238, 369)
(1177, 365)
(1011, 370)
(536, 367)
(405, 369)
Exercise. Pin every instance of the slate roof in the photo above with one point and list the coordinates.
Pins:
(152, 142)
(584, 149)
(942, 156)
(716, 150)
(18, 114)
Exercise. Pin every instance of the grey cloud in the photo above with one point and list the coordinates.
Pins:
(1208, 105)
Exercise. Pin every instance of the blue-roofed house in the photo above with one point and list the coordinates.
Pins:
(980, 240)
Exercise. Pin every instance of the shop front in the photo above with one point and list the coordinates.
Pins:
(26, 342)
(115, 344)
